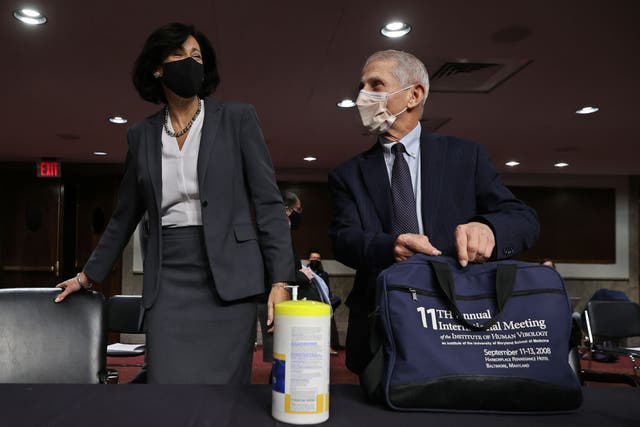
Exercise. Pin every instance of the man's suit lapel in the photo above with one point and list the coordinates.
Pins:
(432, 161)
(212, 116)
(376, 179)
(153, 148)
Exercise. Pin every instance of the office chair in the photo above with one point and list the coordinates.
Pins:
(574, 345)
(46, 342)
(613, 320)
(123, 316)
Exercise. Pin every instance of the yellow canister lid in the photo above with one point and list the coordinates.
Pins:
(302, 308)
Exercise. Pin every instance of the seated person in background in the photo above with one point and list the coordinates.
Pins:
(315, 264)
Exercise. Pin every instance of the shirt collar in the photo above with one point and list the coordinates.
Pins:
(411, 142)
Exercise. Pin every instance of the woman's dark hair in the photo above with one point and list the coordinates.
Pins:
(290, 199)
(158, 46)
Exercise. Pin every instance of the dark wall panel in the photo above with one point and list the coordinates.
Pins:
(577, 225)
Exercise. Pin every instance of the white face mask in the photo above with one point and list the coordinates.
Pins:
(373, 110)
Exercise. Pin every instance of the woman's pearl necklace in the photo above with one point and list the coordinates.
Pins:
(186, 128)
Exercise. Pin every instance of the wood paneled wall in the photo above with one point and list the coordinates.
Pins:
(577, 225)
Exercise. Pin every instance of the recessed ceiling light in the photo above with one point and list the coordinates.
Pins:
(310, 159)
(395, 29)
(118, 120)
(100, 153)
(561, 165)
(29, 16)
(346, 103)
(512, 163)
(587, 110)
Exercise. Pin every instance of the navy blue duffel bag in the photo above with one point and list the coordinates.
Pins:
(490, 337)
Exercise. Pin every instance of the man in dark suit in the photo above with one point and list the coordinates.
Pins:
(429, 194)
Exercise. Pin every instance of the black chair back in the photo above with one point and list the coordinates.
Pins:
(46, 342)
(123, 314)
(614, 319)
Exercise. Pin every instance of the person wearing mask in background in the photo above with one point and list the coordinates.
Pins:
(414, 192)
(314, 262)
(198, 168)
(310, 286)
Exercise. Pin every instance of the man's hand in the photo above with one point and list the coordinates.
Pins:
(410, 244)
(278, 294)
(474, 242)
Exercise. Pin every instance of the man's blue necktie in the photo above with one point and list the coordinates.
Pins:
(405, 219)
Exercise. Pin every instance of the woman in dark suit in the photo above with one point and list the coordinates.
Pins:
(197, 168)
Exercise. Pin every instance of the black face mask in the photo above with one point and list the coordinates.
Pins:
(315, 265)
(183, 77)
(296, 219)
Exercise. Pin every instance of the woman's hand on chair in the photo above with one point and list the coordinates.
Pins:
(70, 286)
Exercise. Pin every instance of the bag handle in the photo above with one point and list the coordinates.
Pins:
(505, 280)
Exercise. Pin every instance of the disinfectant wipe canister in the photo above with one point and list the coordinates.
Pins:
(301, 362)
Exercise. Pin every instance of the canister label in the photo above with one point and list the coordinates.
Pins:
(301, 363)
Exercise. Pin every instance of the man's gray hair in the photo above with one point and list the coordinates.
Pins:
(409, 69)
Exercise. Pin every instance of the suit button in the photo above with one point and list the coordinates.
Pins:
(204, 204)
(508, 251)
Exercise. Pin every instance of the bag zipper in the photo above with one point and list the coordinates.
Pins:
(414, 293)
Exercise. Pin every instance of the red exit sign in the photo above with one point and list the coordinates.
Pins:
(48, 169)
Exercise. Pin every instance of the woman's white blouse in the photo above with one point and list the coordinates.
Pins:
(180, 192)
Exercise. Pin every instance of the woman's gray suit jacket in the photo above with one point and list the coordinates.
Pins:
(235, 177)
